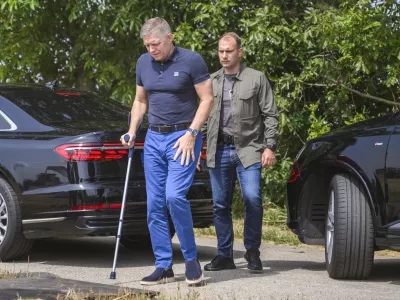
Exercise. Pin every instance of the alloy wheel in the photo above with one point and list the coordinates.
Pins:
(329, 227)
(3, 218)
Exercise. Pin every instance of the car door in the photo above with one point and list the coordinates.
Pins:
(392, 173)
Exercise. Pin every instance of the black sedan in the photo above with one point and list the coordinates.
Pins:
(62, 170)
(344, 193)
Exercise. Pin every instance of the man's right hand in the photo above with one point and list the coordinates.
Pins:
(128, 144)
(198, 167)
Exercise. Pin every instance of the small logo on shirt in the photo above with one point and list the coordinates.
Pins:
(176, 74)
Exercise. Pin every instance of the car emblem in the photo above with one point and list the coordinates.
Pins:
(378, 144)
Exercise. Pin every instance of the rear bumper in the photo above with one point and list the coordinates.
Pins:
(292, 194)
(105, 222)
(63, 210)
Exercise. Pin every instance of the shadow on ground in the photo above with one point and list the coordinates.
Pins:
(48, 286)
(386, 270)
(99, 253)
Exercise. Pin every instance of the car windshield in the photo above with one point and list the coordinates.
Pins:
(48, 107)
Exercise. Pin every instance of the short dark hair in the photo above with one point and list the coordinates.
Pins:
(233, 36)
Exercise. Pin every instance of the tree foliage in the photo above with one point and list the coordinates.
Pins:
(330, 62)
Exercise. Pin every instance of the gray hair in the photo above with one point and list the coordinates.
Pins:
(156, 26)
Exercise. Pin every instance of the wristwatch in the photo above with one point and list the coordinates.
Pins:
(193, 132)
(271, 147)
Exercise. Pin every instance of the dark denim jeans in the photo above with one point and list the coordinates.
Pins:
(227, 168)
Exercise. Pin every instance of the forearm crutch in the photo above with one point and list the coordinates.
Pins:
(121, 217)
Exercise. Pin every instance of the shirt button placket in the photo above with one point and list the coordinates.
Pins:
(161, 71)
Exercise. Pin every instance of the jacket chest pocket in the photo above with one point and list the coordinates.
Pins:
(248, 103)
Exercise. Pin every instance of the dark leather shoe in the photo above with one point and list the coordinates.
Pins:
(253, 259)
(220, 263)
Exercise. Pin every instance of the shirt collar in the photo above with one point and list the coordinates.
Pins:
(172, 57)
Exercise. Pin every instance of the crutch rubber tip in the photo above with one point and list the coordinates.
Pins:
(113, 275)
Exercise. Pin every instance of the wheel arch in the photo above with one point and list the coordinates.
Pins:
(313, 201)
(372, 202)
(7, 176)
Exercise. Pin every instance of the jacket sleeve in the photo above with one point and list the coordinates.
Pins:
(203, 131)
(269, 112)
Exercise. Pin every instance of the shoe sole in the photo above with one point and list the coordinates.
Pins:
(256, 271)
(161, 281)
(220, 269)
(253, 271)
(195, 281)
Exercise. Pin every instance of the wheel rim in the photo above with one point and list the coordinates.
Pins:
(329, 226)
(3, 218)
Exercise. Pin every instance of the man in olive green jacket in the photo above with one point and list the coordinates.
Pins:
(241, 139)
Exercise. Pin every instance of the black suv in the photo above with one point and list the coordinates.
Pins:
(344, 192)
(62, 170)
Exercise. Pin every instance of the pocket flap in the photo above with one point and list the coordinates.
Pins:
(247, 94)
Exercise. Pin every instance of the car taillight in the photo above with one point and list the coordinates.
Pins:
(93, 152)
(68, 93)
(203, 153)
(295, 172)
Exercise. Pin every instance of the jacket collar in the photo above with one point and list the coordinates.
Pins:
(239, 75)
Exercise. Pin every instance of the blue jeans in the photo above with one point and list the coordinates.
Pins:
(167, 183)
(227, 168)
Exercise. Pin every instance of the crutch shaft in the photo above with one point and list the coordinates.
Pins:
(121, 217)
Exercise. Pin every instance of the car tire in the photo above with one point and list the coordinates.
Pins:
(349, 230)
(140, 242)
(13, 244)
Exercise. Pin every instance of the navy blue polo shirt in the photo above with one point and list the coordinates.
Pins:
(170, 85)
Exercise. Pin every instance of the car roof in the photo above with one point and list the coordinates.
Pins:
(17, 86)
(36, 87)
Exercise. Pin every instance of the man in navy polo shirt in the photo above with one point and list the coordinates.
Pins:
(169, 80)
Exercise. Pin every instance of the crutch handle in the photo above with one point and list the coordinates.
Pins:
(126, 138)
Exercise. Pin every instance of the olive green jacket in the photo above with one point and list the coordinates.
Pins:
(254, 115)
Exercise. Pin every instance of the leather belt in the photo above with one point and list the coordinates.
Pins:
(169, 128)
(225, 139)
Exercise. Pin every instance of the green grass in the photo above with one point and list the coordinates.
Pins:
(274, 228)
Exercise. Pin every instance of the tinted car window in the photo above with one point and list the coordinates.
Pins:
(4, 125)
(48, 107)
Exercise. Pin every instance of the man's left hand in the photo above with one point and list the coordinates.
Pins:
(186, 148)
(267, 158)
